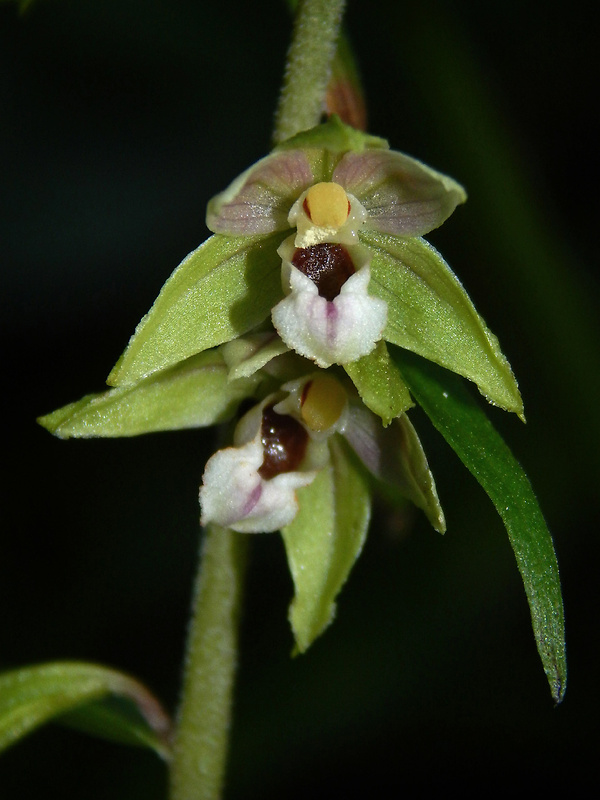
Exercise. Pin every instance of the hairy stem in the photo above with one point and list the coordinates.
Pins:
(200, 748)
(308, 68)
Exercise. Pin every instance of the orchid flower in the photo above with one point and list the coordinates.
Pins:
(304, 459)
(282, 443)
(328, 314)
(323, 238)
(291, 467)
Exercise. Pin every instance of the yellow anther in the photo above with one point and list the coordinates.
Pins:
(322, 403)
(327, 205)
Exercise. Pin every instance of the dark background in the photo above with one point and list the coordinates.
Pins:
(118, 121)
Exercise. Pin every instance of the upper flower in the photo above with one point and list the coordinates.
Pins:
(323, 236)
(328, 314)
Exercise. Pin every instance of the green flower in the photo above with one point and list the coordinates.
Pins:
(353, 275)
(282, 444)
(303, 460)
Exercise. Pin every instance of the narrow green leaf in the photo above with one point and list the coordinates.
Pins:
(430, 314)
(481, 449)
(32, 696)
(219, 292)
(380, 384)
(192, 394)
(324, 541)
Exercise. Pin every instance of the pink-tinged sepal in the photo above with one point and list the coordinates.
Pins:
(400, 195)
(259, 200)
(395, 456)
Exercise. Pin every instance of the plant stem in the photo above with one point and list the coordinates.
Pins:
(308, 68)
(200, 747)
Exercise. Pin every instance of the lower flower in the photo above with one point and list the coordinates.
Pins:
(234, 493)
(251, 487)
(284, 442)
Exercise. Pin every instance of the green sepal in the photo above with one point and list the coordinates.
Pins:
(219, 292)
(471, 435)
(333, 136)
(32, 696)
(430, 314)
(413, 477)
(395, 458)
(323, 542)
(195, 393)
(380, 384)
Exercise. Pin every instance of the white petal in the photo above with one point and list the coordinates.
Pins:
(235, 496)
(335, 332)
(231, 485)
(278, 504)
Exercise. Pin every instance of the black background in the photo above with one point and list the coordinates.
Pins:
(118, 121)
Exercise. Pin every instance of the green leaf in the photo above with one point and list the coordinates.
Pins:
(192, 394)
(116, 719)
(380, 384)
(430, 314)
(32, 696)
(219, 292)
(324, 541)
(481, 449)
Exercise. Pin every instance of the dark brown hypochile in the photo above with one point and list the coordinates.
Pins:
(284, 443)
(327, 265)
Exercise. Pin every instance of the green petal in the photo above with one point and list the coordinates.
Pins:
(324, 541)
(192, 394)
(380, 384)
(345, 94)
(481, 449)
(219, 292)
(31, 696)
(430, 314)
